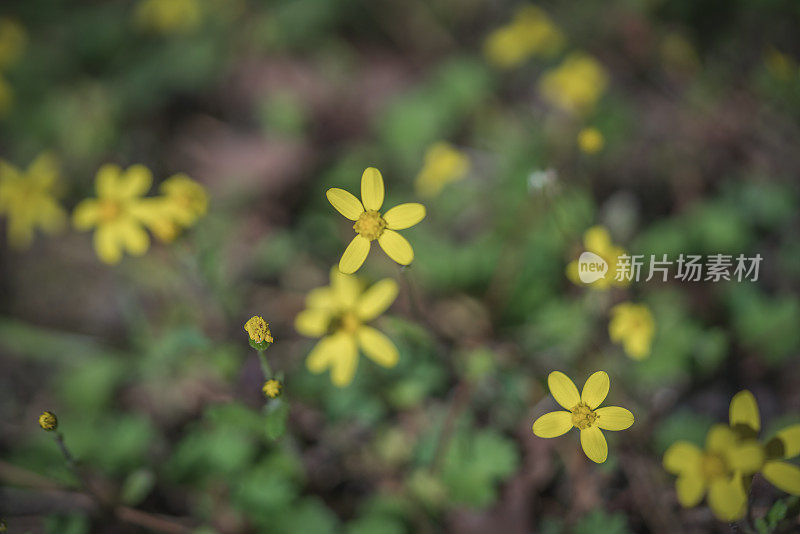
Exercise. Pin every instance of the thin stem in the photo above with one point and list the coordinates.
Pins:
(265, 368)
(460, 399)
(412, 293)
(73, 466)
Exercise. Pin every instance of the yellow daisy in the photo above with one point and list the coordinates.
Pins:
(597, 239)
(371, 225)
(583, 413)
(28, 201)
(183, 201)
(118, 212)
(338, 313)
(442, 165)
(576, 85)
(633, 326)
(745, 421)
(719, 471)
(530, 33)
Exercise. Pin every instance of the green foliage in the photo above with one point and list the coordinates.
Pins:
(601, 521)
(475, 463)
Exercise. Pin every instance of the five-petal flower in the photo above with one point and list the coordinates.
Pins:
(583, 413)
(371, 225)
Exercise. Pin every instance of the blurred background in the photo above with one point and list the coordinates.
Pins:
(672, 124)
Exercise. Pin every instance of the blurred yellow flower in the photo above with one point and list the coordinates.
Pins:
(12, 41)
(168, 16)
(442, 165)
(779, 65)
(590, 140)
(530, 33)
(597, 240)
(183, 201)
(338, 313)
(28, 200)
(745, 421)
(272, 388)
(633, 326)
(719, 470)
(583, 413)
(118, 212)
(576, 85)
(371, 225)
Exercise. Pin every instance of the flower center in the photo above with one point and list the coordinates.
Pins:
(347, 322)
(109, 210)
(713, 466)
(370, 224)
(582, 416)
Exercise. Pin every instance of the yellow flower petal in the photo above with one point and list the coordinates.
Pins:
(345, 203)
(344, 361)
(107, 245)
(135, 182)
(107, 180)
(595, 389)
(690, 489)
(747, 458)
(354, 255)
(552, 424)
(321, 298)
(86, 214)
(563, 390)
(594, 444)
(396, 247)
(133, 237)
(744, 411)
(783, 475)
(372, 189)
(346, 289)
(312, 323)
(596, 239)
(614, 418)
(321, 355)
(789, 439)
(683, 458)
(727, 498)
(720, 438)
(404, 216)
(376, 299)
(377, 346)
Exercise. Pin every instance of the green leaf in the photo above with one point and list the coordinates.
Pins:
(277, 412)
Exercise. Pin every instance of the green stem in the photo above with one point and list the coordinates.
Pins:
(265, 368)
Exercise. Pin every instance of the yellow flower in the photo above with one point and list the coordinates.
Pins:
(597, 239)
(338, 313)
(719, 470)
(272, 388)
(118, 212)
(633, 326)
(590, 140)
(168, 16)
(576, 85)
(583, 413)
(48, 421)
(12, 41)
(779, 65)
(27, 199)
(371, 225)
(746, 423)
(183, 201)
(258, 330)
(529, 34)
(443, 164)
